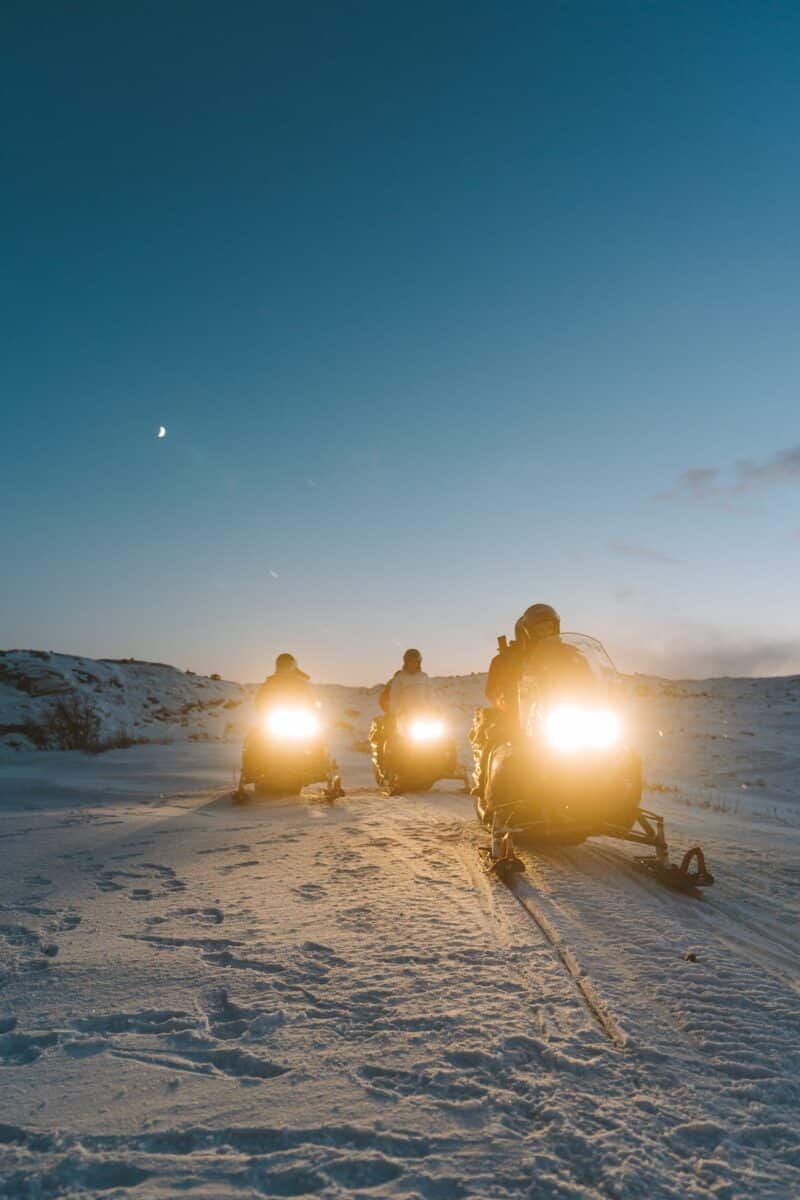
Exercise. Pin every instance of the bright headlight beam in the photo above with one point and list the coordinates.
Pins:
(572, 729)
(293, 724)
(426, 729)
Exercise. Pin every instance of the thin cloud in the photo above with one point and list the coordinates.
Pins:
(746, 475)
(698, 483)
(630, 550)
(782, 467)
(709, 655)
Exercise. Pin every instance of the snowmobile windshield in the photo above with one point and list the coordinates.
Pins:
(569, 668)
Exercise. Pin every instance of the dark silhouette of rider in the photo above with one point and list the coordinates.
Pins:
(408, 688)
(535, 626)
(537, 654)
(288, 685)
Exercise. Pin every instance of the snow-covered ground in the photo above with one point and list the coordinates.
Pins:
(291, 998)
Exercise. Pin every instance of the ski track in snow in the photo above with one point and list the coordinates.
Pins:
(290, 998)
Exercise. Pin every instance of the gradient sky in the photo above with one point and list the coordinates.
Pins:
(447, 308)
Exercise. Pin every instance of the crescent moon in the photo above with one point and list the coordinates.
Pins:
(162, 431)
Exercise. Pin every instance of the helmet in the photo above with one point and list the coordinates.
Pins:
(412, 654)
(525, 629)
(285, 662)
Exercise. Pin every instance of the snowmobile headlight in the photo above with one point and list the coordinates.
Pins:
(571, 729)
(426, 729)
(294, 724)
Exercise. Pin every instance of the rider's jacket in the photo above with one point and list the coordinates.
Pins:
(284, 687)
(557, 668)
(502, 682)
(405, 692)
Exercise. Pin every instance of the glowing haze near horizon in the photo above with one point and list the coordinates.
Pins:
(446, 308)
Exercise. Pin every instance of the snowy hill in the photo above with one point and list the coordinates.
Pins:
(139, 700)
(153, 702)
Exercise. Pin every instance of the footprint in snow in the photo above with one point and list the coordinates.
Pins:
(224, 958)
(356, 870)
(240, 1064)
(310, 891)
(117, 880)
(19, 937)
(201, 916)
(360, 917)
(240, 866)
(158, 869)
(157, 1021)
(105, 884)
(328, 956)
(229, 1020)
(224, 849)
(21, 1049)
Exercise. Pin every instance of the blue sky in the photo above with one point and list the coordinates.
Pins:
(438, 303)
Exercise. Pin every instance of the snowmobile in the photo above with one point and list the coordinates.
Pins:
(566, 772)
(411, 751)
(284, 752)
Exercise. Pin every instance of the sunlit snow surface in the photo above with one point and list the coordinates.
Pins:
(292, 999)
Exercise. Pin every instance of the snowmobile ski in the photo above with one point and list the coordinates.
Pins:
(683, 878)
(500, 858)
(333, 789)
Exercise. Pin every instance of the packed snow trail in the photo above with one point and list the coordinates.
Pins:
(293, 998)
(594, 1002)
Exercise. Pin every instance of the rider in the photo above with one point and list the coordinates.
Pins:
(286, 746)
(408, 688)
(288, 685)
(501, 722)
(506, 669)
